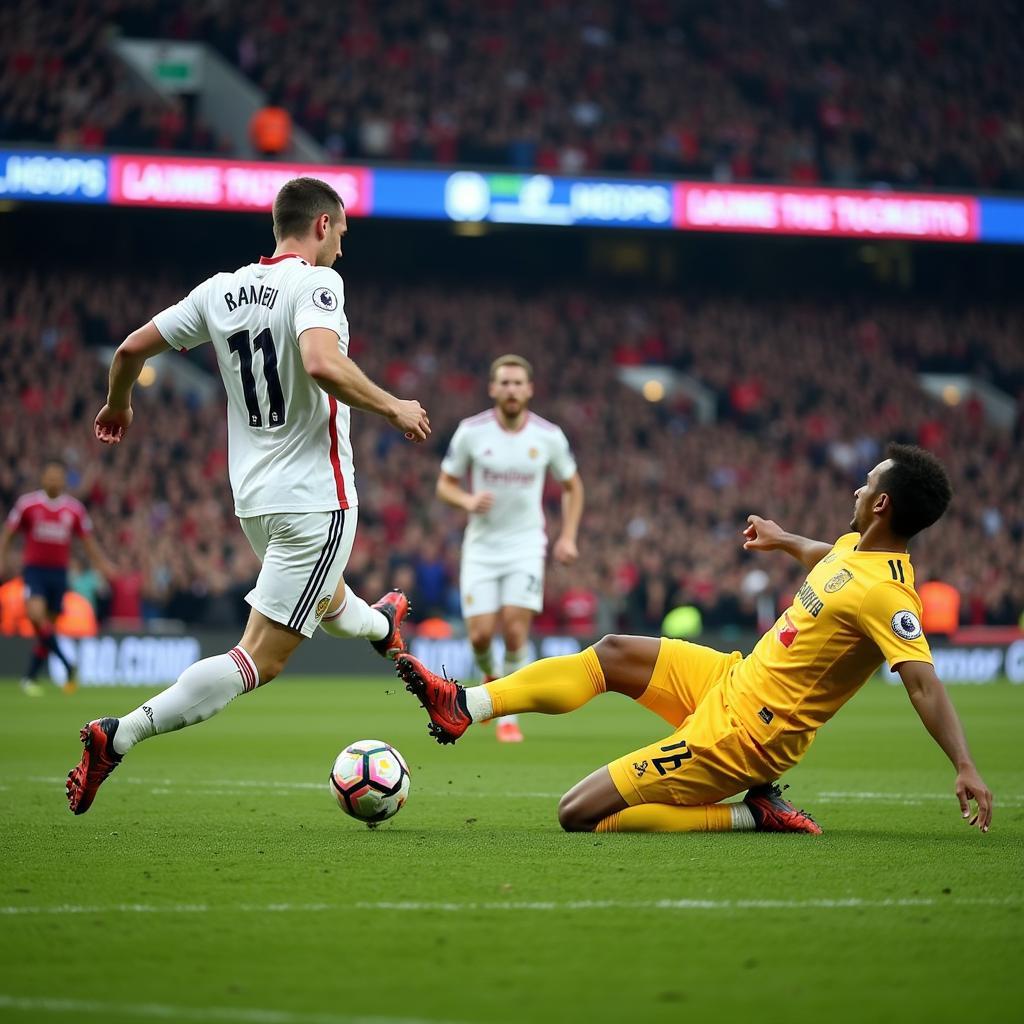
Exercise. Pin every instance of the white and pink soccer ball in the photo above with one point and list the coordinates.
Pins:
(370, 781)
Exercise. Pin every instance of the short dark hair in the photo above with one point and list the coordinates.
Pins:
(299, 203)
(918, 486)
(53, 459)
(509, 359)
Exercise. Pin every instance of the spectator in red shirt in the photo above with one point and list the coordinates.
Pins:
(126, 591)
(578, 606)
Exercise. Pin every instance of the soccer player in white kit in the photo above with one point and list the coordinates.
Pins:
(507, 451)
(281, 337)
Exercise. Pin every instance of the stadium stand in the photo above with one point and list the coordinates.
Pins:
(806, 390)
(858, 91)
(61, 85)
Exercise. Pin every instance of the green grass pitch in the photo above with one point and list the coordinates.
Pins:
(215, 880)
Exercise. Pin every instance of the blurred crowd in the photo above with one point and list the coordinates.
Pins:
(856, 91)
(61, 84)
(807, 392)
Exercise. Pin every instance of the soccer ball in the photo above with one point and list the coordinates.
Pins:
(370, 781)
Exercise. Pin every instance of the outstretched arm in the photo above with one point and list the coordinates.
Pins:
(99, 561)
(6, 536)
(336, 374)
(935, 709)
(765, 535)
(131, 355)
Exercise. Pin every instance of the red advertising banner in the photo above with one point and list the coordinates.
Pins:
(226, 184)
(779, 210)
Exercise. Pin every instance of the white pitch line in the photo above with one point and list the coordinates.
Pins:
(852, 902)
(164, 1011)
(839, 794)
(203, 783)
(1001, 805)
(225, 787)
(1013, 800)
(170, 908)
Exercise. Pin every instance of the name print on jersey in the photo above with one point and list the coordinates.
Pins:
(511, 477)
(810, 600)
(248, 296)
(51, 531)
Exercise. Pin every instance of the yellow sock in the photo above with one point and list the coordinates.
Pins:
(669, 818)
(550, 687)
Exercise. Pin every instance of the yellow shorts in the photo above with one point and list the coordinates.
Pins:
(711, 755)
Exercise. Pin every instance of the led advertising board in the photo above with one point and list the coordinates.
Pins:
(499, 197)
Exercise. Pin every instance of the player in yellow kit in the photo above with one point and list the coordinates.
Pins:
(741, 722)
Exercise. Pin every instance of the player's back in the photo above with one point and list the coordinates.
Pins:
(289, 448)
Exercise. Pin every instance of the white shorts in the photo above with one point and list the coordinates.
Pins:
(485, 589)
(304, 555)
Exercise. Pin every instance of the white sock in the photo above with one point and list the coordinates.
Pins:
(201, 691)
(514, 661)
(356, 618)
(485, 661)
(742, 818)
(478, 703)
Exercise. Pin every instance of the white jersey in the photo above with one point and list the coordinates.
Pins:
(288, 441)
(512, 466)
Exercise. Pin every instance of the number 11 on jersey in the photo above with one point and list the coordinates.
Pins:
(264, 342)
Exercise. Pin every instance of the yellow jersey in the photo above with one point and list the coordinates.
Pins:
(854, 610)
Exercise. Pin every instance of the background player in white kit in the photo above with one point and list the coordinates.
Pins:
(281, 337)
(507, 451)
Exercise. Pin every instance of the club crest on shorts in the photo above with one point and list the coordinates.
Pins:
(906, 625)
(325, 299)
(322, 606)
(837, 582)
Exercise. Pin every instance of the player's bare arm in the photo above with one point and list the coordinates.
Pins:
(115, 417)
(565, 550)
(339, 376)
(6, 536)
(766, 535)
(451, 492)
(936, 711)
(97, 558)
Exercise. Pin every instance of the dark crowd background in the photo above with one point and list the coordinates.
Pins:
(811, 355)
(853, 91)
(811, 349)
